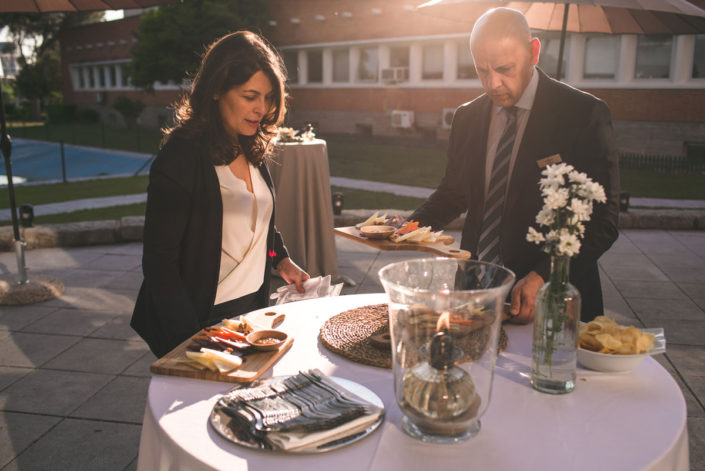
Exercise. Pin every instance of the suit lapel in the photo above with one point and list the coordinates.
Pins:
(526, 172)
(477, 151)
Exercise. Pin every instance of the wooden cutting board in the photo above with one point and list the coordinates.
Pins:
(438, 248)
(253, 365)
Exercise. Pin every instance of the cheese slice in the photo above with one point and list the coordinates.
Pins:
(223, 361)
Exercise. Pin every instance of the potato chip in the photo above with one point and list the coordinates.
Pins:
(604, 335)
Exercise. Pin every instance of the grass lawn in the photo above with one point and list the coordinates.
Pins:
(45, 194)
(349, 157)
(648, 184)
(413, 166)
(100, 214)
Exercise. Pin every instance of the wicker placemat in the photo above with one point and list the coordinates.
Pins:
(359, 334)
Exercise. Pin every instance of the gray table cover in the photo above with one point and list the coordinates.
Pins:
(304, 216)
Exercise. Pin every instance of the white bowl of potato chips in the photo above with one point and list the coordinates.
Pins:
(604, 345)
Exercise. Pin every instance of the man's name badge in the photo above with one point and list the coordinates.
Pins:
(550, 160)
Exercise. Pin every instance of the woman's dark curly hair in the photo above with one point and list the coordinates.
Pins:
(229, 62)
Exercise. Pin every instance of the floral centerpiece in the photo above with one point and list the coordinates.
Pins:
(290, 135)
(568, 197)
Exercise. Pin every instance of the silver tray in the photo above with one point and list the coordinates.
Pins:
(229, 429)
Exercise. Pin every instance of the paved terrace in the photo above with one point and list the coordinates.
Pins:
(74, 377)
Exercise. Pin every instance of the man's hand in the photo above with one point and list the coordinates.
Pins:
(292, 273)
(524, 298)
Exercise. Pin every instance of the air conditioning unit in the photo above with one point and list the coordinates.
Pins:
(447, 117)
(402, 119)
(395, 74)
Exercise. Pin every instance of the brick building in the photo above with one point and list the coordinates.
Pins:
(385, 68)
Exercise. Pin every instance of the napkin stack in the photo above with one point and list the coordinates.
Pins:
(317, 287)
(299, 413)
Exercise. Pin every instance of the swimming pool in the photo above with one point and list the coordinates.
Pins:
(39, 161)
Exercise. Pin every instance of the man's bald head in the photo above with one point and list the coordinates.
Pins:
(500, 23)
(504, 54)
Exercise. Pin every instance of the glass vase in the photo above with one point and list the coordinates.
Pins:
(555, 341)
(444, 320)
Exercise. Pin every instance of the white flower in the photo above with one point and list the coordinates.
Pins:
(592, 191)
(556, 171)
(568, 244)
(534, 236)
(568, 197)
(557, 199)
(552, 236)
(581, 209)
(577, 177)
(545, 217)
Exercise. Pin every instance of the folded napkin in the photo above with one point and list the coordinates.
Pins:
(317, 287)
(300, 412)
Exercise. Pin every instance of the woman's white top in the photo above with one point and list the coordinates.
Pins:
(245, 225)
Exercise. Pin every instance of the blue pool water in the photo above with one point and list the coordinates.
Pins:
(41, 161)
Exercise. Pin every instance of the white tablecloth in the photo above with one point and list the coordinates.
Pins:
(634, 421)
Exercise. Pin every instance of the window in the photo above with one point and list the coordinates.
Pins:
(291, 62)
(126, 78)
(653, 57)
(699, 57)
(466, 66)
(91, 77)
(550, 48)
(399, 56)
(315, 66)
(432, 62)
(341, 65)
(367, 69)
(601, 57)
(81, 78)
(100, 72)
(119, 78)
(112, 75)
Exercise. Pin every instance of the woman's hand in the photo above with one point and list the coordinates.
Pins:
(292, 273)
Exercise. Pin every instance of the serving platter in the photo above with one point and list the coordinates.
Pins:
(253, 365)
(437, 248)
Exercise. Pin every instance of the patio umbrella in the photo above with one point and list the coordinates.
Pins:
(587, 16)
(46, 6)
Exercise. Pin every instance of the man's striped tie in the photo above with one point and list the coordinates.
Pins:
(488, 246)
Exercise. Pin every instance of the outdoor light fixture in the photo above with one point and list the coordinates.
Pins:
(26, 215)
(624, 201)
(337, 202)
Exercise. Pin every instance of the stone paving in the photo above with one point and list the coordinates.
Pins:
(74, 376)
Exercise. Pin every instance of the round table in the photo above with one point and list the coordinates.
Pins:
(304, 213)
(632, 421)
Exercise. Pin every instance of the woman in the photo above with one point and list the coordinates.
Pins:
(209, 235)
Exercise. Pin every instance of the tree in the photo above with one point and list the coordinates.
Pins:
(36, 40)
(129, 109)
(171, 39)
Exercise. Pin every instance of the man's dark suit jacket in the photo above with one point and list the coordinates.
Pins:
(182, 246)
(563, 121)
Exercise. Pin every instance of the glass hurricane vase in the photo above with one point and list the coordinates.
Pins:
(555, 340)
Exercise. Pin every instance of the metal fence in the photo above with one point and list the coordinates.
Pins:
(694, 165)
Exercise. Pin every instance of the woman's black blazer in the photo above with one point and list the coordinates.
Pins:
(182, 246)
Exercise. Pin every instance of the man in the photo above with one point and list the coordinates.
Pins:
(499, 144)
